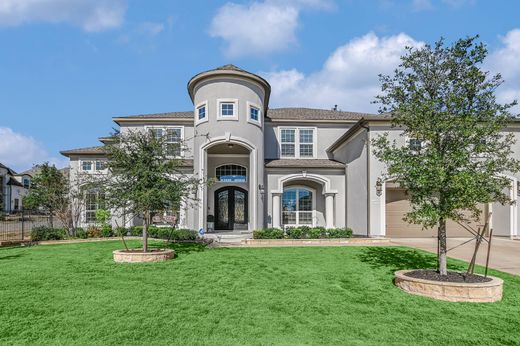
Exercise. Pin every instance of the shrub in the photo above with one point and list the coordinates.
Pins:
(339, 233)
(106, 231)
(47, 233)
(93, 232)
(268, 233)
(118, 231)
(317, 233)
(136, 231)
(183, 234)
(80, 233)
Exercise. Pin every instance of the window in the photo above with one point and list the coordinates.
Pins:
(287, 142)
(94, 200)
(26, 183)
(101, 165)
(306, 143)
(171, 137)
(227, 109)
(297, 207)
(254, 114)
(86, 165)
(297, 142)
(16, 204)
(201, 112)
(231, 173)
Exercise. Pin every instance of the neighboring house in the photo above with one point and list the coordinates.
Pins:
(13, 188)
(279, 167)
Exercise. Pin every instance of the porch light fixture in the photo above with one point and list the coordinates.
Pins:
(379, 188)
(230, 145)
(261, 188)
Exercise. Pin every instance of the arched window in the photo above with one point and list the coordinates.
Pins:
(231, 173)
(297, 206)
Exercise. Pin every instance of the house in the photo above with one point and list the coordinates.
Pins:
(13, 188)
(279, 167)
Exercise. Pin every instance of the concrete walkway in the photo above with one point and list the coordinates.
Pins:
(505, 253)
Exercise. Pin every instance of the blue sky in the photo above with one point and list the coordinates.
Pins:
(68, 66)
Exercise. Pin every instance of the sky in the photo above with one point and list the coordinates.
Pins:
(68, 66)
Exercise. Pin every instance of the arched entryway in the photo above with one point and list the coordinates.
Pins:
(231, 208)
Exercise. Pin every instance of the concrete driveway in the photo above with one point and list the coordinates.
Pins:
(505, 253)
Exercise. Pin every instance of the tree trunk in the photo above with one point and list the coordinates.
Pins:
(145, 233)
(442, 267)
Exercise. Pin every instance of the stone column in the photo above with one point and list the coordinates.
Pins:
(276, 210)
(329, 210)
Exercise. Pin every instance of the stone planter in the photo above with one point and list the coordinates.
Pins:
(137, 256)
(482, 292)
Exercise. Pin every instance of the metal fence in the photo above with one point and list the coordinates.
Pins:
(17, 225)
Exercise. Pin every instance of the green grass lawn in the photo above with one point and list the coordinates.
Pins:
(75, 294)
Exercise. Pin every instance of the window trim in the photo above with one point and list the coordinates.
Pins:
(297, 224)
(86, 170)
(196, 111)
(252, 121)
(86, 210)
(227, 117)
(297, 141)
(164, 128)
(232, 182)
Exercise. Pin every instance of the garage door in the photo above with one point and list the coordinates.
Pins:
(397, 205)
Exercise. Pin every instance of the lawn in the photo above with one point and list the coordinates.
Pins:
(75, 294)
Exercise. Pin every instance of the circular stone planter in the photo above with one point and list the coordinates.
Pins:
(138, 256)
(482, 292)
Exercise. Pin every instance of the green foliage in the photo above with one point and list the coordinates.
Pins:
(93, 232)
(120, 231)
(47, 233)
(80, 233)
(440, 96)
(302, 232)
(268, 233)
(136, 231)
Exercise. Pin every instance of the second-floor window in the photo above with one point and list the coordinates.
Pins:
(227, 109)
(171, 137)
(297, 142)
(86, 165)
(26, 183)
(201, 112)
(101, 165)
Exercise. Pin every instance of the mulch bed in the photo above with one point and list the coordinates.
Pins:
(431, 274)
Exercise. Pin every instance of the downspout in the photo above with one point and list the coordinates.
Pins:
(368, 177)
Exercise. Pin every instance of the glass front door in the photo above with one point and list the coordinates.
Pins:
(230, 208)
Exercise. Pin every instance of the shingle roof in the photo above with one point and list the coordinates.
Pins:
(272, 113)
(313, 114)
(99, 150)
(303, 163)
(166, 115)
(14, 182)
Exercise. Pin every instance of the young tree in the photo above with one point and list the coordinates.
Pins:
(440, 96)
(48, 192)
(145, 177)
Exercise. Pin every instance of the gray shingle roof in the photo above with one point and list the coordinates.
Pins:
(303, 163)
(99, 150)
(313, 114)
(272, 113)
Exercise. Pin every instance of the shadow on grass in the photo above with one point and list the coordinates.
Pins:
(400, 258)
(8, 257)
(184, 248)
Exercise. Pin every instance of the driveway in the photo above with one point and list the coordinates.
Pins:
(505, 253)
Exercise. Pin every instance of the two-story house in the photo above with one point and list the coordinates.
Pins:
(278, 167)
(13, 188)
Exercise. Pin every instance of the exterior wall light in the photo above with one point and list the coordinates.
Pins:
(379, 187)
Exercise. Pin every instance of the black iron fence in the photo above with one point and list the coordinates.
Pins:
(17, 225)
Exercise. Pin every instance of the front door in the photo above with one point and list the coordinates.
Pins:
(230, 208)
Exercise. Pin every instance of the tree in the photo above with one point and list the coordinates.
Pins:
(145, 177)
(445, 103)
(48, 192)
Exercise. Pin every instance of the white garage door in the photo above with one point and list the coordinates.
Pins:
(397, 205)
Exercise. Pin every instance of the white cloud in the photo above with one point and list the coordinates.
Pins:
(422, 5)
(21, 152)
(504, 60)
(151, 28)
(90, 15)
(261, 27)
(349, 77)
